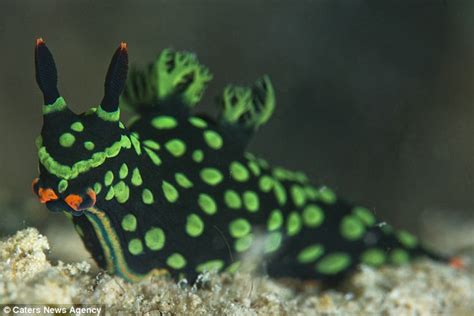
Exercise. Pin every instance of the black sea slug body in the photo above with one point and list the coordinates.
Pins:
(178, 193)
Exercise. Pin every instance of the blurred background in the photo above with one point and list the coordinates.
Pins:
(374, 98)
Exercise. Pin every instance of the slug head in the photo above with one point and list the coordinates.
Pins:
(72, 147)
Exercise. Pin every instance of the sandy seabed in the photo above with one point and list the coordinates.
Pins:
(421, 288)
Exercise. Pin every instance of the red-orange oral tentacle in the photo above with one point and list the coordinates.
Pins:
(46, 195)
(74, 201)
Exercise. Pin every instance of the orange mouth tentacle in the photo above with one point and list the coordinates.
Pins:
(74, 201)
(46, 195)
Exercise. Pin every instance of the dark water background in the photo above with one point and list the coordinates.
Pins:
(375, 98)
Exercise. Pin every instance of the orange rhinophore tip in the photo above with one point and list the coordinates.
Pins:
(457, 263)
(123, 46)
(46, 195)
(39, 41)
(74, 201)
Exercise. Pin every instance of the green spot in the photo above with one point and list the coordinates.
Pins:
(238, 171)
(197, 122)
(373, 257)
(311, 192)
(183, 181)
(170, 192)
(176, 261)
(293, 225)
(232, 199)
(164, 122)
(327, 195)
(207, 204)
(121, 125)
(136, 143)
(263, 163)
(155, 239)
(122, 192)
(334, 263)
(89, 145)
(272, 242)
(364, 215)
(243, 243)
(77, 127)
(211, 265)
(176, 147)
(249, 156)
(62, 186)
(97, 187)
(298, 196)
(399, 256)
(151, 144)
(211, 176)
(251, 201)
(124, 142)
(135, 246)
(239, 228)
(129, 223)
(280, 173)
(275, 220)
(153, 156)
(280, 192)
(313, 215)
(136, 177)
(233, 267)
(67, 140)
(254, 168)
(147, 196)
(198, 155)
(194, 225)
(407, 239)
(265, 183)
(123, 172)
(110, 194)
(213, 139)
(310, 254)
(301, 177)
(352, 228)
(108, 178)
